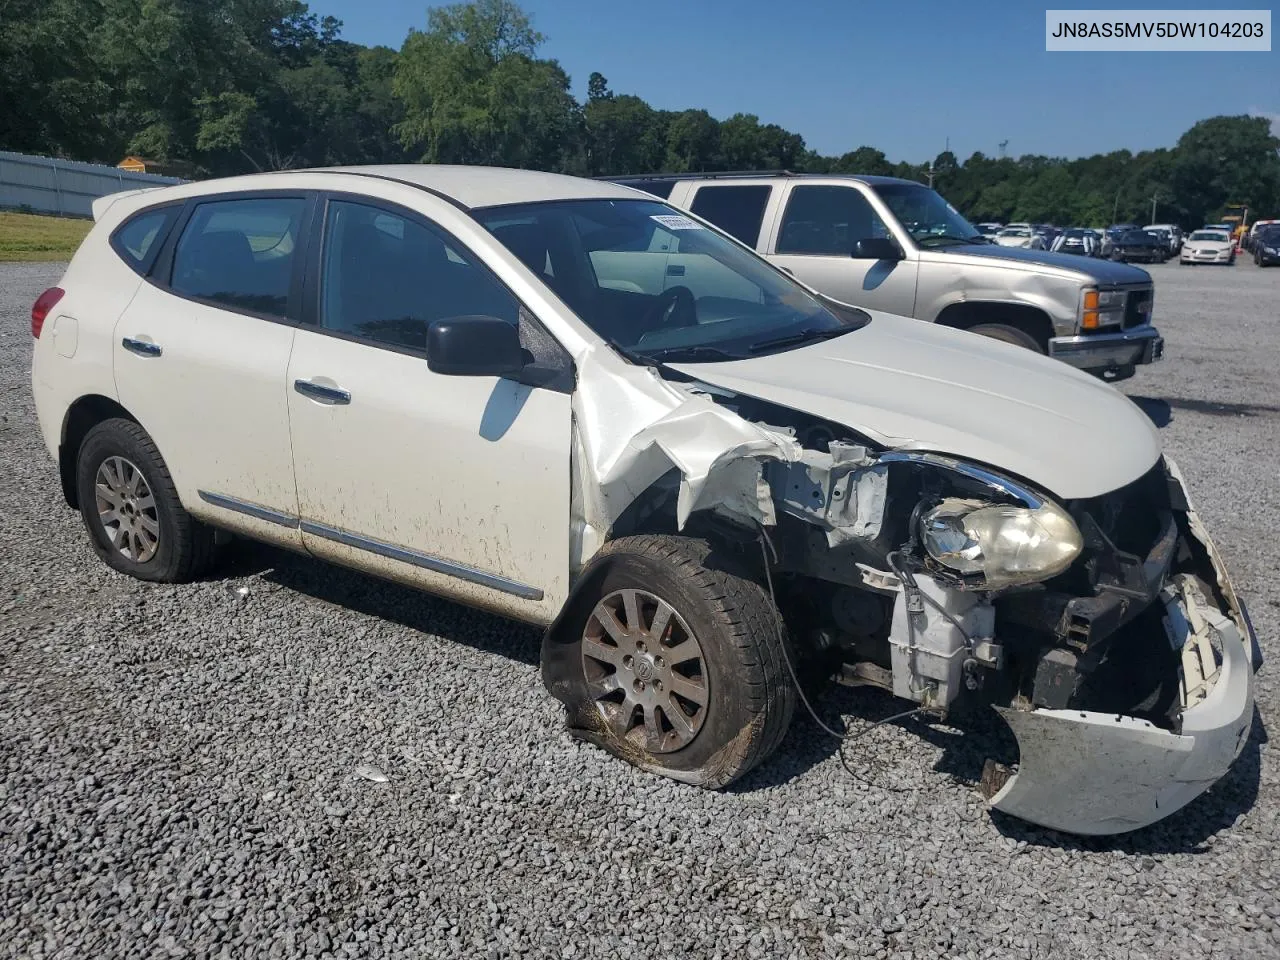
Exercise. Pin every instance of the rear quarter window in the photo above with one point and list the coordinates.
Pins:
(138, 239)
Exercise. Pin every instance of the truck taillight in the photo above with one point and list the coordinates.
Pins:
(40, 309)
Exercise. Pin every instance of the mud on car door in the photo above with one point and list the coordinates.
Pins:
(459, 484)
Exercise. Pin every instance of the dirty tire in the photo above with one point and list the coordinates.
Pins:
(1007, 334)
(185, 547)
(741, 635)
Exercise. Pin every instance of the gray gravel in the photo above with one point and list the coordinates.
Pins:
(187, 771)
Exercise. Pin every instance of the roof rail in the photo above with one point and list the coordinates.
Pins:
(709, 175)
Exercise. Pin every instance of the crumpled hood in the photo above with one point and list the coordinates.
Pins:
(907, 384)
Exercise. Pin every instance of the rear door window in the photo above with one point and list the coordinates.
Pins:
(737, 210)
(240, 253)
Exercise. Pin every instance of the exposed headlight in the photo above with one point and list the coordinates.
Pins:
(1271, 250)
(993, 546)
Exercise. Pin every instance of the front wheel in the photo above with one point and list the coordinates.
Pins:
(1007, 334)
(129, 504)
(682, 661)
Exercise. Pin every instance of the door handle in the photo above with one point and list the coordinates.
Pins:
(318, 391)
(143, 348)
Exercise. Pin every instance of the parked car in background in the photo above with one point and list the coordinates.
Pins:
(1075, 240)
(989, 230)
(1139, 245)
(1111, 233)
(1165, 236)
(1250, 238)
(1209, 246)
(573, 404)
(875, 242)
(1022, 237)
(1266, 245)
(1172, 230)
(1047, 234)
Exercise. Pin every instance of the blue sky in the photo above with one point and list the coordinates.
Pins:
(902, 76)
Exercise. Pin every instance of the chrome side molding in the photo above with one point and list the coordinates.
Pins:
(381, 548)
(424, 560)
(249, 509)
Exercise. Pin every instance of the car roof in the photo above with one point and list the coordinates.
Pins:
(868, 179)
(468, 187)
(475, 186)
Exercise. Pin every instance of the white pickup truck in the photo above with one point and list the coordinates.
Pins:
(897, 246)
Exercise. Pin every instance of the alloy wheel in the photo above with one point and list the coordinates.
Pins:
(645, 671)
(127, 509)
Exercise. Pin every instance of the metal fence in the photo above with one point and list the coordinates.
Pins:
(64, 187)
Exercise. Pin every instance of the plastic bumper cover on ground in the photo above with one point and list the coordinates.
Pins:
(1093, 773)
(1102, 351)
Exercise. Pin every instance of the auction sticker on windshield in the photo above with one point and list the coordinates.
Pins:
(676, 222)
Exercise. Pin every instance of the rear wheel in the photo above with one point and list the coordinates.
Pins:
(1007, 334)
(682, 659)
(135, 520)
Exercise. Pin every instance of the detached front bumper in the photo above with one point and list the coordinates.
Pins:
(1110, 351)
(1087, 772)
(1092, 773)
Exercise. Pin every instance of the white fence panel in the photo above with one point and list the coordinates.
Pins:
(64, 187)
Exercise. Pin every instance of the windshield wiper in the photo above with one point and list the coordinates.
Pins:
(804, 336)
(689, 354)
(947, 236)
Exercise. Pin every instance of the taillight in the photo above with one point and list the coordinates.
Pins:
(40, 309)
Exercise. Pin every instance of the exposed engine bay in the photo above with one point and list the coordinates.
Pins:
(1104, 631)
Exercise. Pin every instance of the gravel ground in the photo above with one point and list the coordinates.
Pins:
(181, 765)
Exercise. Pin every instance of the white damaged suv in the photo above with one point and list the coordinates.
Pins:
(567, 402)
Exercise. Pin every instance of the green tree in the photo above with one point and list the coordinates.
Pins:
(53, 93)
(1227, 160)
(473, 90)
(239, 85)
(746, 145)
(623, 133)
(866, 160)
(693, 138)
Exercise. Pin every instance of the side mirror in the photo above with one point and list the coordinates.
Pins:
(877, 248)
(474, 346)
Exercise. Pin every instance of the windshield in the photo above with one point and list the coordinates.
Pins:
(1209, 235)
(657, 284)
(925, 215)
(1015, 232)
